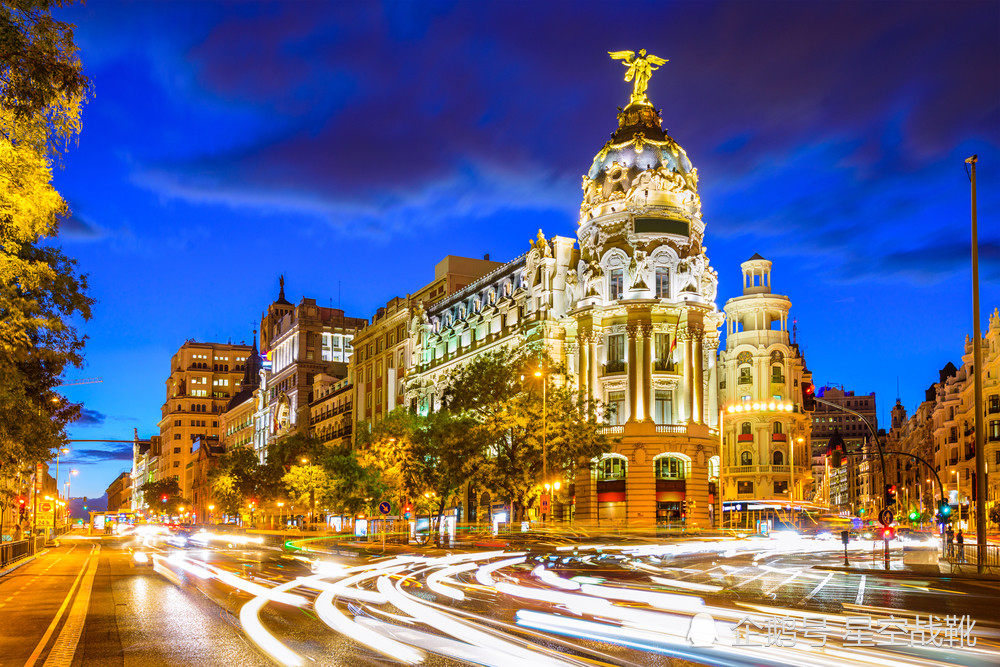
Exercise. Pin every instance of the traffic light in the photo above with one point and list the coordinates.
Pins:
(888, 533)
(808, 397)
(944, 509)
(890, 495)
(914, 515)
(164, 497)
(861, 511)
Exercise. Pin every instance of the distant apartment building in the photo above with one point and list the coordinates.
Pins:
(238, 424)
(120, 493)
(851, 486)
(203, 378)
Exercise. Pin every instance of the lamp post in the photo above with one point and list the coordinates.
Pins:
(211, 510)
(60, 450)
(545, 453)
(977, 370)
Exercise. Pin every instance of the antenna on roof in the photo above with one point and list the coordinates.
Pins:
(795, 332)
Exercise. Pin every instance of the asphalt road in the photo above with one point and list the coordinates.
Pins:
(595, 604)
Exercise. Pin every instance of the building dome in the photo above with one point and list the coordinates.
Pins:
(641, 165)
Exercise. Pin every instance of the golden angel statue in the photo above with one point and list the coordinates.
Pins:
(639, 69)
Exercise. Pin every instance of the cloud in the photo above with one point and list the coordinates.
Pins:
(90, 418)
(77, 228)
(110, 452)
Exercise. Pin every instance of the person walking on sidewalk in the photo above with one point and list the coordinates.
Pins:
(950, 534)
(960, 538)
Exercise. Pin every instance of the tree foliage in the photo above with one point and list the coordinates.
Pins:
(163, 496)
(42, 88)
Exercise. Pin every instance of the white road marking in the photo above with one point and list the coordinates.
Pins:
(861, 590)
(817, 589)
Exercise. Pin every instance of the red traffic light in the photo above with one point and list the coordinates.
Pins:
(22, 501)
(164, 498)
(808, 397)
(892, 490)
(888, 534)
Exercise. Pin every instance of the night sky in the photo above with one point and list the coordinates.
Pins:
(350, 146)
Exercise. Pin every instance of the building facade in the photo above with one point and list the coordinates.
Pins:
(630, 313)
(202, 380)
(383, 352)
(120, 493)
(766, 434)
(855, 484)
(300, 342)
(331, 412)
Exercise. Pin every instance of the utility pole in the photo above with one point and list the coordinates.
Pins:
(977, 370)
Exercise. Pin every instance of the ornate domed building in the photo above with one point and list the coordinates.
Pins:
(642, 325)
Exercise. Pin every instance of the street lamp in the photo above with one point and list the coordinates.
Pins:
(69, 478)
(211, 509)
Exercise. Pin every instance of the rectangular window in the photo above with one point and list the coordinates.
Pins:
(663, 407)
(781, 487)
(663, 283)
(745, 377)
(994, 431)
(616, 284)
(661, 350)
(616, 348)
(744, 487)
(177, 436)
(616, 407)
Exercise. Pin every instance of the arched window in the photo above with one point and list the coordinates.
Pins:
(713, 468)
(745, 428)
(777, 428)
(672, 466)
(778, 459)
(746, 459)
(611, 467)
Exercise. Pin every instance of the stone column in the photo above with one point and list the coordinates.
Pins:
(689, 398)
(582, 379)
(647, 370)
(632, 332)
(699, 377)
(595, 365)
(713, 407)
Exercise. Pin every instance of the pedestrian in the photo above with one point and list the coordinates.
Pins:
(951, 541)
(960, 538)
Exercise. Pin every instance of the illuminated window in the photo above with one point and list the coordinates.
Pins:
(616, 407)
(777, 427)
(746, 459)
(663, 407)
(616, 283)
(778, 459)
(745, 428)
(611, 468)
(662, 283)
(671, 467)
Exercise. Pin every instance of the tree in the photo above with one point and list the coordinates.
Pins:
(995, 513)
(353, 486)
(501, 393)
(237, 477)
(388, 447)
(306, 483)
(163, 496)
(42, 89)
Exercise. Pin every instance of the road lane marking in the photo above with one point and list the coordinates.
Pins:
(58, 617)
(817, 589)
(64, 648)
(747, 581)
(861, 590)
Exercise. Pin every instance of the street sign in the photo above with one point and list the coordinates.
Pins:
(885, 517)
(384, 507)
(545, 504)
(46, 507)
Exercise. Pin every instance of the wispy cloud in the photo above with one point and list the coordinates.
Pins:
(90, 417)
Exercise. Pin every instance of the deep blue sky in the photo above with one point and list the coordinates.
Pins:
(355, 144)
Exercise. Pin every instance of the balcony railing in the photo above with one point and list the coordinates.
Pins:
(744, 437)
(744, 380)
(779, 437)
(663, 366)
(777, 379)
(611, 430)
(671, 428)
(614, 367)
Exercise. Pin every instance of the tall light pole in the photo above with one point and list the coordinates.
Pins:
(69, 479)
(977, 370)
(545, 453)
(60, 450)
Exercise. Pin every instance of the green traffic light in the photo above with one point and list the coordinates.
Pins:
(861, 511)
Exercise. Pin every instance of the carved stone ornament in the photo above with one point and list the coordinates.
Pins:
(777, 357)
(744, 357)
(664, 384)
(615, 385)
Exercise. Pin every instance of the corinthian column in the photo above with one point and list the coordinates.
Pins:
(713, 407)
(699, 378)
(647, 371)
(633, 385)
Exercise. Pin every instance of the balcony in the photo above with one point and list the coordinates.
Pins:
(779, 437)
(663, 366)
(744, 380)
(744, 437)
(671, 428)
(777, 379)
(611, 430)
(615, 367)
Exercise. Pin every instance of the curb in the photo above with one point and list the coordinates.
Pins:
(908, 574)
(23, 561)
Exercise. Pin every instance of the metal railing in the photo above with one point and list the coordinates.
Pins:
(967, 556)
(11, 552)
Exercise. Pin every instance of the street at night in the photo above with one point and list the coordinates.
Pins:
(580, 334)
(554, 600)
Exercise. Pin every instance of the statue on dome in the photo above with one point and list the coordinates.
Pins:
(640, 69)
(542, 245)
